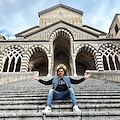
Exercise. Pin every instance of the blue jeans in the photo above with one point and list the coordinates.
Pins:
(61, 96)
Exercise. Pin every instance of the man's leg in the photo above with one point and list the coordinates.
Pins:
(50, 97)
(54, 95)
(49, 100)
(72, 96)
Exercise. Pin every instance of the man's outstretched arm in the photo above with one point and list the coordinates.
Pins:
(87, 76)
(49, 82)
(73, 81)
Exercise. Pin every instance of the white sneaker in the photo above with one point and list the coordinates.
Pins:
(47, 109)
(76, 109)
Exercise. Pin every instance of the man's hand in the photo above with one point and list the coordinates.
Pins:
(87, 76)
(36, 78)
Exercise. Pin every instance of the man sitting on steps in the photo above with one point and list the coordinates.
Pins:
(61, 89)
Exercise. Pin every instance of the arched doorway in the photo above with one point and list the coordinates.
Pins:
(84, 61)
(62, 51)
(39, 62)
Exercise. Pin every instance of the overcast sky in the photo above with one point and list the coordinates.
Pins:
(19, 15)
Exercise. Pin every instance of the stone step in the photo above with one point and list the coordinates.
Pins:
(28, 98)
(46, 90)
(30, 111)
(82, 106)
(115, 93)
(58, 108)
(60, 102)
(62, 116)
(44, 96)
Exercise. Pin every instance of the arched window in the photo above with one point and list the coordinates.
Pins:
(12, 60)
(18, 65)
(111, 63)
(117, 62)
(12, 65)
(105, 63)
(110, 56)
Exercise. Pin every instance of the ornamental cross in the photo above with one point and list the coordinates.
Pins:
(60, 2)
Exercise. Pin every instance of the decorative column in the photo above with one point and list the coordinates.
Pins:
(113, 58)
(74, 67)
(99, 62)
(2, 67)
(49, 66)
(16, 59)
(9, 64)
(24, 63)
(107, 57)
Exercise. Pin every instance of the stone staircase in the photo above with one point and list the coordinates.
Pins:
(24, 100)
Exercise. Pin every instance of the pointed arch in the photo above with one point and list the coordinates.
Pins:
(85, 58)
(27, 55)
(61, 39)
(11, 55)
(111, 53)
(87, 47)
(63, 32)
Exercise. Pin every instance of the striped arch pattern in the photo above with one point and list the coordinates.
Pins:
(63, 32)
(10, 52)
(28, 54)
(107, 50)
(93, 51)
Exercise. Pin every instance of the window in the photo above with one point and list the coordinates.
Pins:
(116, 29)
(60, 13)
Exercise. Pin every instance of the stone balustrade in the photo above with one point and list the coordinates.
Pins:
(106, 75)
(9, 77)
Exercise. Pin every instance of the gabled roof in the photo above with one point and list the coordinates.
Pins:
(94, 29)
(32, 28)
(2, 37)
(60, 5)
(114, 20)
(39, 30)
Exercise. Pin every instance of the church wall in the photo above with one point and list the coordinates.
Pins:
(49, 47)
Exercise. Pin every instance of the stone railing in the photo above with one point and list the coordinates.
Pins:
(6, 78)
(106, 75)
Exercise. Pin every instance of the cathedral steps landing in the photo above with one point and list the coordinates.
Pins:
(25, 100)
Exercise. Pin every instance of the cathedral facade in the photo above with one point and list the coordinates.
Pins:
(61, 40)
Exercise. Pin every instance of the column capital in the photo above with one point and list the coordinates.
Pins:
(49, 55)
(73, 57)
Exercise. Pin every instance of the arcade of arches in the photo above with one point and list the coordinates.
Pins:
(62, 57)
